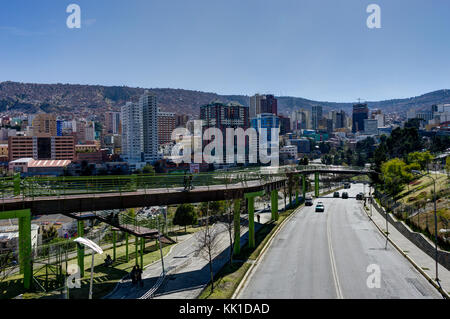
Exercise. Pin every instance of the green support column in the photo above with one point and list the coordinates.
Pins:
(274, 204)
(25, 261)
(136, 249)
(316, 184)
(142, 251)
(251, 216)
(114, 244)
(80, 248)
(296, 197)
(126, 246)
(237, 227)
(25, 249)
(304, 186)
(16, 184)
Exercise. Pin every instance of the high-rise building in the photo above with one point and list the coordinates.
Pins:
(166, 125)
(263, 104)
(340, 120)
(132, 133)
(112, 122)
(140, 131)
(317, 114)
(44, 125)
(300, 120)
(370, 127)
(360, 113)
(222, 115)
(181, 120)
(285, 125)
(150, 126)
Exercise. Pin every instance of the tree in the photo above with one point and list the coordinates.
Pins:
(208, 241)
(49, 234)
(185, 215)
(395, 174)
(421, 158)
(148, 169)
(217, 208)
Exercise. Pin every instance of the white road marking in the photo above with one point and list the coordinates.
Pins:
(333, 261)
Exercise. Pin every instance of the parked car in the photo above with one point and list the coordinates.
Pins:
(336, 194)
(344, 195)
(308, 201)
(346, 185)
(320, 207)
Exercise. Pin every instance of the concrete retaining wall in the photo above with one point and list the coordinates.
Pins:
(417, 238)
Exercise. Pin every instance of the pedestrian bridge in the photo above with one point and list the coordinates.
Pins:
(62, 195)
(74, 196)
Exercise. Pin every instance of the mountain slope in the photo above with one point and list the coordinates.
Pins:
(69, 98)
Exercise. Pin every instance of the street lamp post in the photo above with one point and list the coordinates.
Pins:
(435, 219)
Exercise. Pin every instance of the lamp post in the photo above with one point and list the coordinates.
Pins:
(95, 248)
(435, 219)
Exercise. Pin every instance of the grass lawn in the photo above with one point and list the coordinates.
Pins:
(105, 278)
(423, 187)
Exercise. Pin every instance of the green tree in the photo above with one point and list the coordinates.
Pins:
(148, 169)
(421, 158)
(185, 215)
(395, 175)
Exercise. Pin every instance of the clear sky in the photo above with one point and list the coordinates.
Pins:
(317, 49)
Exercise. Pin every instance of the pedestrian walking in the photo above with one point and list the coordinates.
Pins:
(133, 275)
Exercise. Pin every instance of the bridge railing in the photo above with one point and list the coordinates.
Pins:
(31, 187)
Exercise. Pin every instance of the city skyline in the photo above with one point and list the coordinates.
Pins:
(319, 51)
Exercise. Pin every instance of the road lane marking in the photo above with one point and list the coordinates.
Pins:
(333, 261)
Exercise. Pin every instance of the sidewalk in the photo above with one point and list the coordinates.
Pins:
(424, 261)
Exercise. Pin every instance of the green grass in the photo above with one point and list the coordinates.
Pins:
(105, 278)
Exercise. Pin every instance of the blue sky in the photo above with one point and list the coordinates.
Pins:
(317, 49)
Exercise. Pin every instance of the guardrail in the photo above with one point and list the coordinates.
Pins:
(31, 187)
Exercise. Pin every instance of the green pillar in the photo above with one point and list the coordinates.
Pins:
(296, 197)
(136, 242)
(237, 227)
(114, 244)
(274, 204)
(126, 246)
(316, 184)
(304, 186)
(142, 251)
(16, 184)
(25, 261)
(25, 249)
(80, 248)
(251, 216)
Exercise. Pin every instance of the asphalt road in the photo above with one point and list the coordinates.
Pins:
(327, 255)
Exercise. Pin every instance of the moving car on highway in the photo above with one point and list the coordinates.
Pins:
(308, 201)
(336, 194)
(320, 207)
(360, 196)
(344, 195)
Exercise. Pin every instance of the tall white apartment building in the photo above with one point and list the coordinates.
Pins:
(132, 134)
(140, 131)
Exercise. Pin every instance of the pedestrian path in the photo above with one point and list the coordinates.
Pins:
(423, 260)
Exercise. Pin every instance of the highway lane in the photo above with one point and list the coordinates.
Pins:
(327, 255)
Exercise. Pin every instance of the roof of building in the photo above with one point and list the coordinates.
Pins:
(49, 163)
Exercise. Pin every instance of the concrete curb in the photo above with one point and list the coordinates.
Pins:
(249, 272)
(415, 265)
